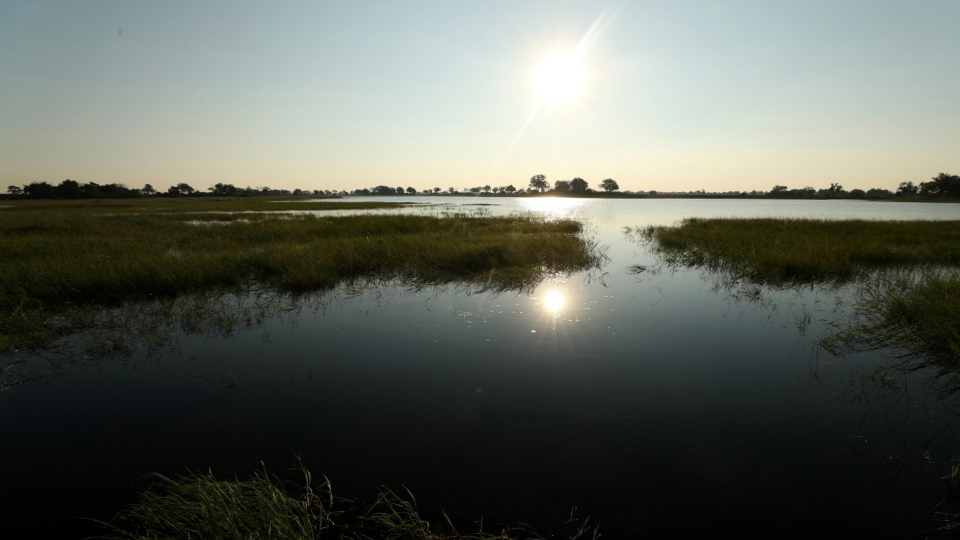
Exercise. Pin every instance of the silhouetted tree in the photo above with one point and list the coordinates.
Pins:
(561, 186)
(777, 190)
(436, 190)
(39, 190)
(185, 189)
(148, 190)
(411, 191)
(906, 189)
(91, 190)
(225, 190)
(942, 185)
(835, 189)
(539, 183)
(609, 185)
(578, 185)
(510, 189)
(68, 189)
(15, 191)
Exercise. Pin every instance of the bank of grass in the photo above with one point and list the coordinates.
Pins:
(156, 205)
(61, 258)
(906, 272)
(785, 251)
(202, 507)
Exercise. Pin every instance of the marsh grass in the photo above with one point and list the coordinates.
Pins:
(62, 260)
(920, 315)
(163, 205)
(786, 251)
(904, 273)
(202, 507)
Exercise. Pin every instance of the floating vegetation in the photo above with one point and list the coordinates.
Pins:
(202, 507)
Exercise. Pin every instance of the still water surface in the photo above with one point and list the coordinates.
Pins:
(653, 402)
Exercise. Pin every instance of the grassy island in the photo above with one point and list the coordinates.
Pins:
(61, 256)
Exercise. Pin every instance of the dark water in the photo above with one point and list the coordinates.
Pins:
(652, 402)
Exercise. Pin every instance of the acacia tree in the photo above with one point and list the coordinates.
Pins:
(835, 189)
(778, 190)
(539, 183)
(148, 190)
(609, 185)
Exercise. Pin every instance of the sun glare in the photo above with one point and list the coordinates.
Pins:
(553, 301)
(559, 79)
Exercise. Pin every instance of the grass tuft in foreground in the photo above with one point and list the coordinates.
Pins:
(201, 507)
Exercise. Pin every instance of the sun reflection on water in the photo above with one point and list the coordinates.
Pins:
(553, 301)
(552, 206)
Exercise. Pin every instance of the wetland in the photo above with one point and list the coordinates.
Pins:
(509, 360)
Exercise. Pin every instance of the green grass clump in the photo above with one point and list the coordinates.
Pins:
(917, 315)
(777, 251)
(908, 290)
(57, 260)
(201, 507)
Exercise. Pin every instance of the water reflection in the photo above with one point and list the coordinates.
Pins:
(553, 207)
(553, 301)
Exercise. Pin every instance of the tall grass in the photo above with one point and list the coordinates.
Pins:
(905, 272)
(919, 315)
(54, 261)
(202, 507)
(769, 250)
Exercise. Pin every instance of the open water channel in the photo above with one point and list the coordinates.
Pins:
(655, 402)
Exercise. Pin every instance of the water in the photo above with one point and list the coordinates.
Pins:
(653, 402)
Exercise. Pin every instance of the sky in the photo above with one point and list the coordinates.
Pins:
(676, 95)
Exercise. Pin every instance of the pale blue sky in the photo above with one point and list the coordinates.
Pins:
(680, 95)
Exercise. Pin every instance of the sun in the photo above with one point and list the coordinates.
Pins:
(559, 78)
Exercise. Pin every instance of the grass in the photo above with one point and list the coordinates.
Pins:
(919, 315)
(786, 251)
(202, 507)
(60, 259)
(905, 271)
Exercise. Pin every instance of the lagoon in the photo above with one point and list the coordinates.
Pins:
(656, 402)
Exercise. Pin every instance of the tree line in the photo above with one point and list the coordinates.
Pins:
(71, 189)
(940, 186)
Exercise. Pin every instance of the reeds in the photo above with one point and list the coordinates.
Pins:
(784, 251)
(202, 507)
(905, 272)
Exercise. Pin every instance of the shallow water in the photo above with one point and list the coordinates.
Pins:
(654, 402)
